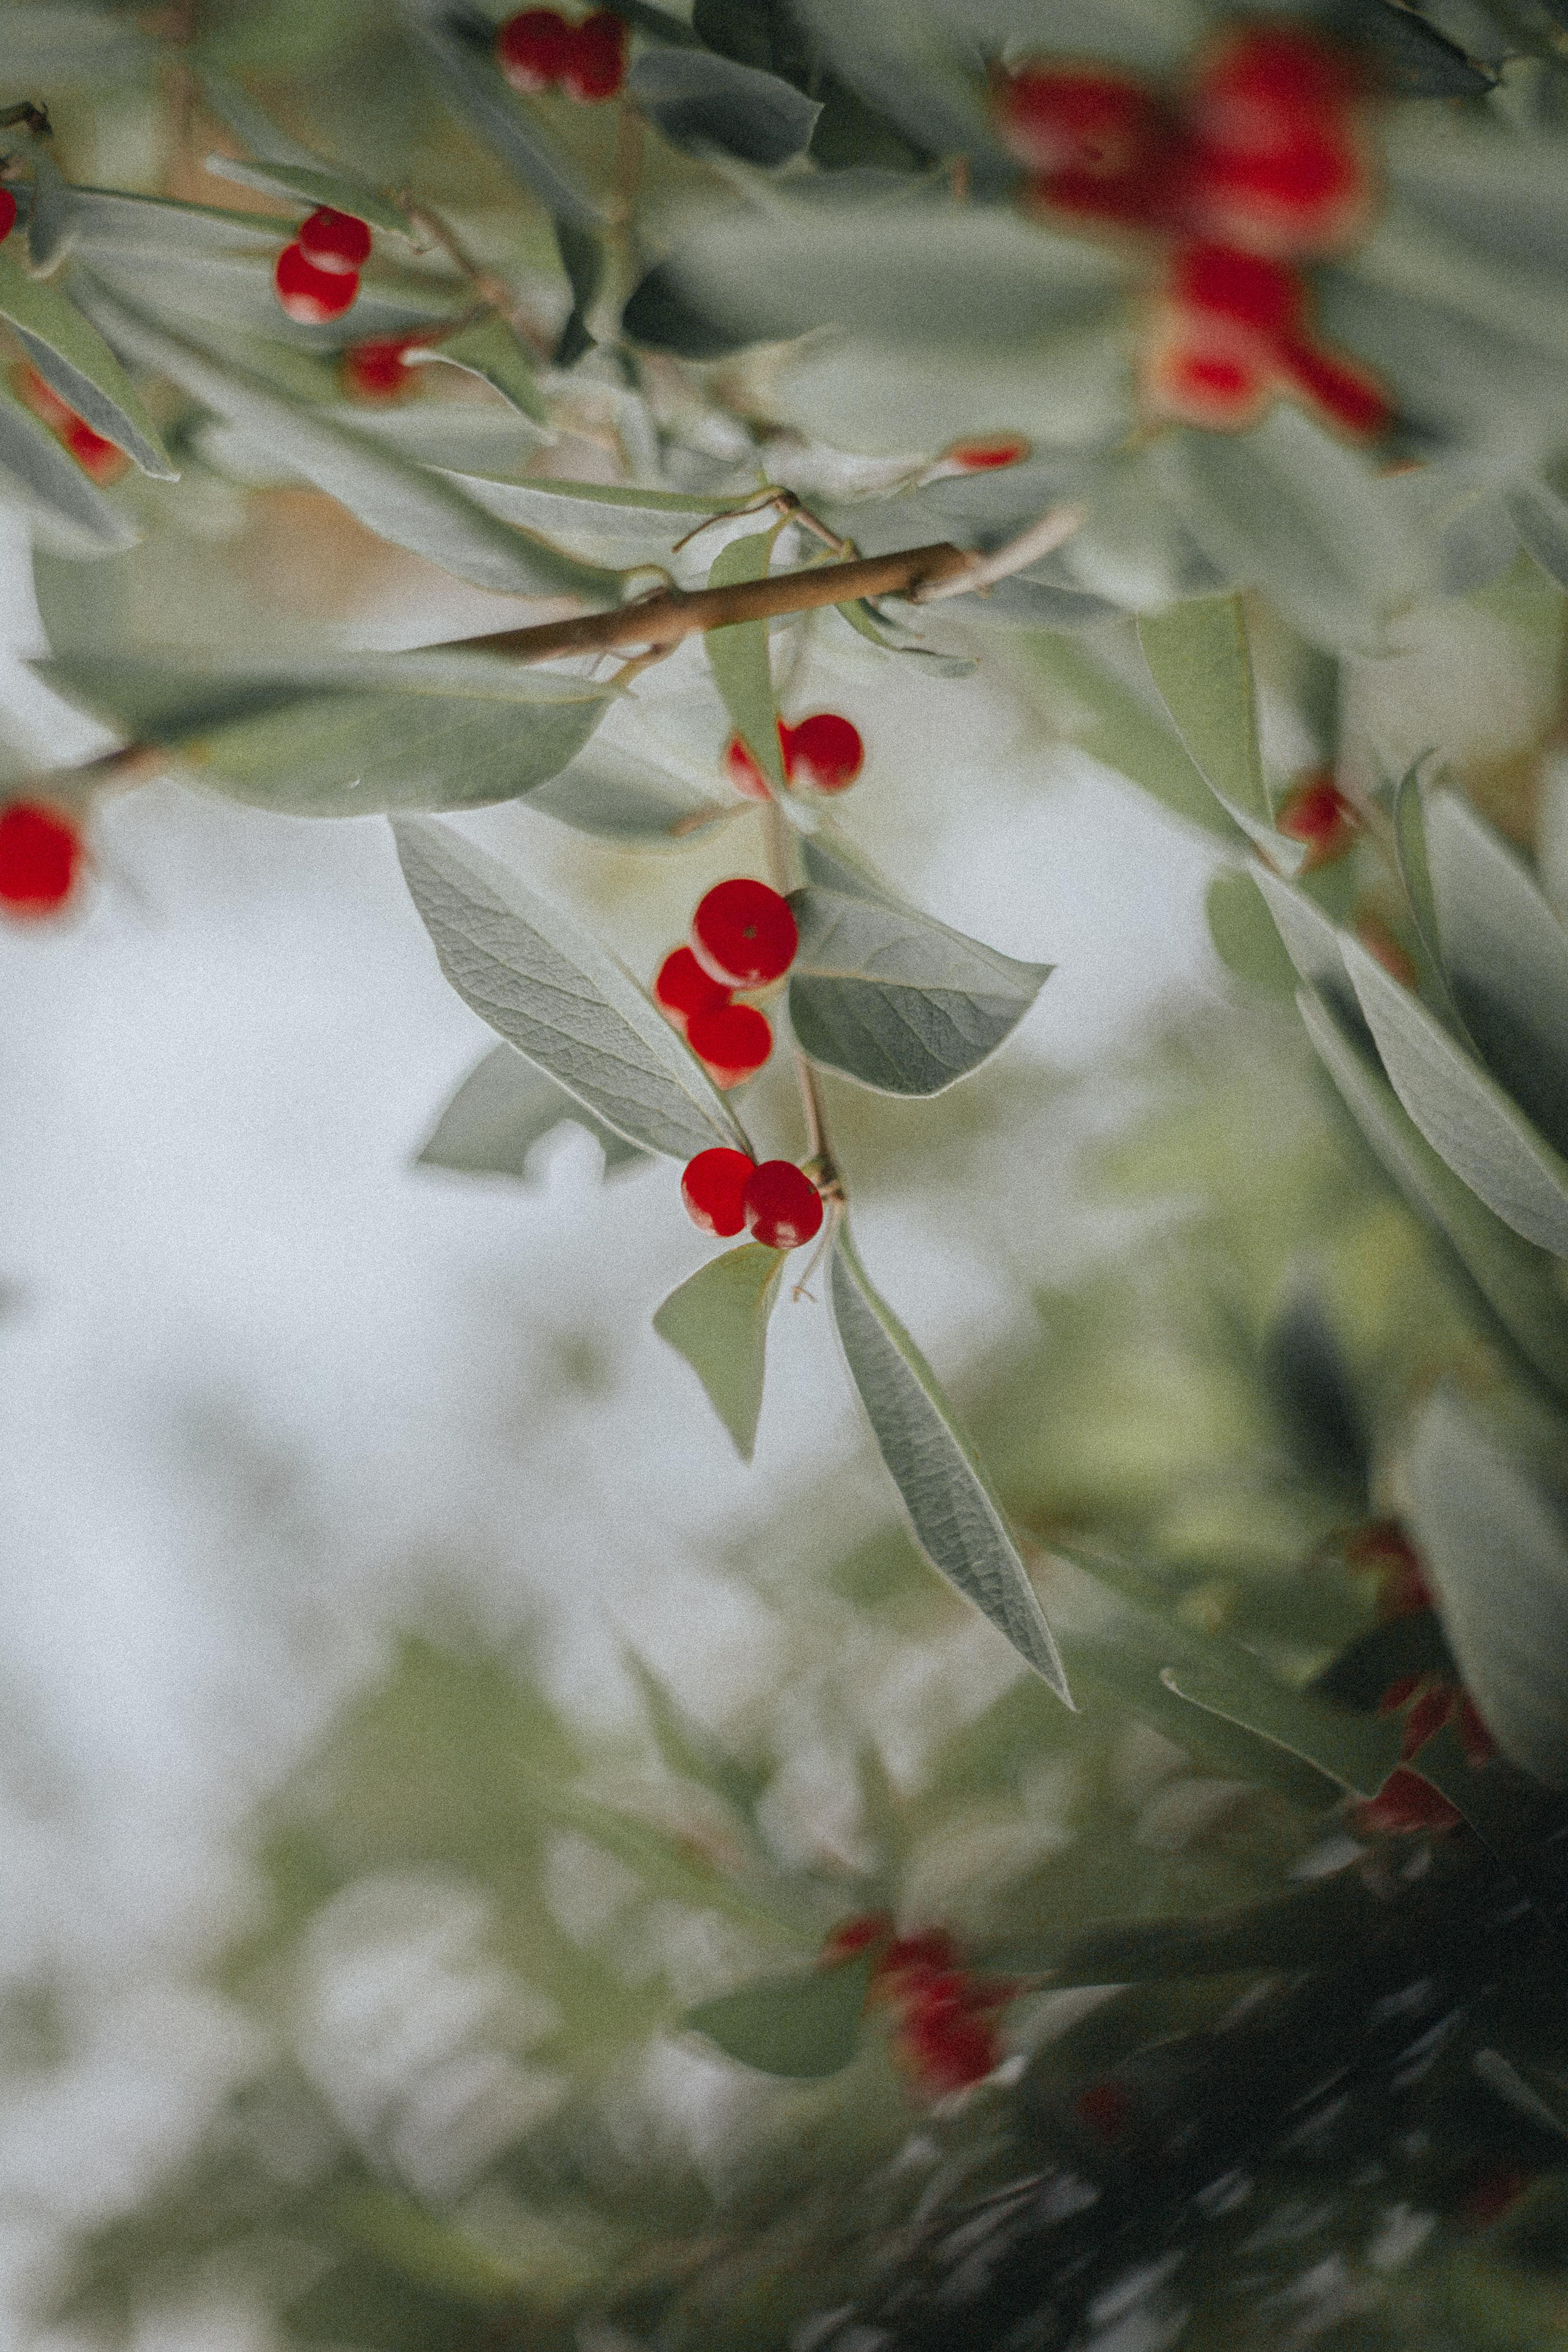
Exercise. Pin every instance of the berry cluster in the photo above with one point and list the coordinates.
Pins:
(945, 2031)
(317, 276)
(1260, 163)
(93, 453)
(540, 50)
(776, 1202)
(1318, 814)
(742, 937)
(40, 858)
(824, 753)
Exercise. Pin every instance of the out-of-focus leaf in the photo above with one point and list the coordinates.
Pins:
(54, 485)
(699, 101)
(659, 313)
(1245, 937)
(687, 1748)
(109, 222)
(1461, 1110)
(1315, 1400)
(897, 1000)
(583, 258)
(1110, 722)
(489, 350)
(64, 44)
(1385, 1654)
(1414, 58)
(620, 796)
(458, 45)
(503, 1108)
(1492, 1528)
(803, 2027)
(1199, 659)
(550, 989)
(1541, 518)
(1358, 1751)
(718, 1320)
(956, 1519)
(73, 357)
(48, 216)
(432, 2252)
(306, 184)
(738, 656)
(1409, 814)
(1310, 941)
(606, 524)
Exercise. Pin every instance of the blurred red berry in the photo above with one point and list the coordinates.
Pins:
(40, 856)
(532, 49)
(1406, 1802)
(783, 1207)
(983, 456)
(1249, 287)
(825, 750)
(712, 1187)
(1275, 152)
(1381, 1549)
(376, 371)
(1428, 1715)
(1105, 2110)
(7, 213)
(1475, 1742)
(101, 459)
(1096, 141)
(745, 933)
(595, 61)
(311, 295)
(1202, 371)
(730, 1041)
(853, 1936)
(1258, 83)
(1318, 814)
(336, 242)
(1343, 391)
(681, 987)
(948, 2051)
(742, 769)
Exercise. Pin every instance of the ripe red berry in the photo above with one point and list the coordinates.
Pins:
(375, 371)
(334, 241)
(713, 1186)
(1203, 371)
(911, 1959)
(745, 933)
(1406, 1802)
(1340, 389)
(1318, 814)
(1261, 81)
(742, 769)
(730, 1041)
(825, 750)
(984, 456)
(7, 213)
(948, 2050)
(532, 49)
(595, 61)
(311, 295)
(101, 459)
(1085, 119)
(40, 856)
(1249, 287)
(783, 1207)
(681, 987)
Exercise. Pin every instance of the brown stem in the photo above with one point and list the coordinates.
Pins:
(783, 866)
(491, 289)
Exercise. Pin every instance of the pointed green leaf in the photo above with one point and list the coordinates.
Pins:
(503, 1108)
(1245, 938)
(957, 1520)
(48, 218)
(700, 101)
(1359, 1751)
(1199, 659)
(738, 656)
(718, 1320)
(54, 485)
(1115, 725)
(460, 50)
(896, 1000)
(605, 522)
(689, 1751)
(73, 357)
(620, 796)
(550, 989)
(489, 350)
(311, 183)
(803, 2027)
(1409, 814)
(1461, 1110)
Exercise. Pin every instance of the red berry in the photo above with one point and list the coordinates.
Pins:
(1106, 2109)
(950, 2052)
(1311, 198)
(1344, 392)
(712, 1187)
(681, 987)
(984, 456)
(853, 1936)
(7, 213)
(1405, 1803)
(1249, 287)
(596, 62)
(825, 750)
(375, 371)
(930, 1952)
(742, 769)
(745, 933)
(1318, 814)
(309, 294)
(1203, 371)
(335, 242)
(730, 1041)
(1079, 118)
(1261, 81)
(532, 49)
(40, 854)
(101, 459)
(783, 1207)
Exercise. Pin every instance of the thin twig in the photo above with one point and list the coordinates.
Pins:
(784, 868)
(1040, 540)
(491, 289)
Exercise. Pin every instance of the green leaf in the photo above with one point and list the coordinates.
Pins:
(403, 502)
(685, 1747)
(1114, 725)
(489, 350)
(1409, 816)
(1310, 939)
(433, 2253)
(619, 796)
(896, 1000)
(1359, 1751)
(1245, 937)
(738, 656)
(459, 50)
(1489, 1515)
(48, 216)
(803, 2027)
(550, 989)
(700, 101)
(286, 165)
(1513, 1281)
(503, 1108)
(1506, 958)
(1409, 1644)
(584, 260)
(956, 1519)
(1199, 659)
(833, 862)
(54, 485)
(1462, 1111)
(718, 1320)
(607, 525)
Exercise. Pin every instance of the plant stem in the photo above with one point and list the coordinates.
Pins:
(785, 870)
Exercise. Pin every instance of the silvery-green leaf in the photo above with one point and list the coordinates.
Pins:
(281, 165)
(831, 862)
(1460, 1109)
(48, 216)
(1541, 518)
(1245, 938)
(503, 1108)
(65, 44)
(700, 101)
(73, 357)
(896, 1000)
(607, 524)
(738, 656)
(618, 794)
(956, 1519)
(1506, 958)
(1113, 725)
(548, 988)
(403, 502)
(54, 487)
(1199, 659)
(921, 73)
(1311, 941)
(801, 2027)
(459, 46)
(1409, 814)
(1489, 1514)
(718, 1320)
(1513, 1281)
(106, 223)
(489, 350)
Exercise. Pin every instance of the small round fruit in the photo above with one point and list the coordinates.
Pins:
(825, 750)
(783, 1207)
(596, 62)
(1203, 371)
(7, 213)
(731, 1042)
(1250, 289)
(532, 49)
(334, 241)
(744, 933)
(40, 856)
(681, 987)
(310, 295)
(375, 371)
(713, 1188)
